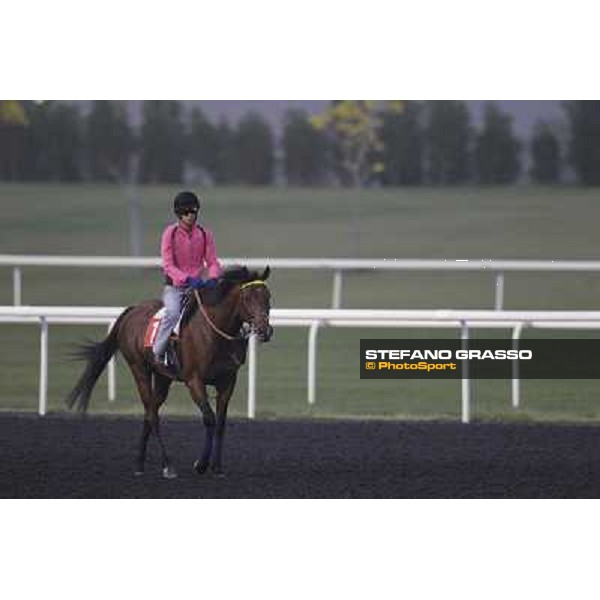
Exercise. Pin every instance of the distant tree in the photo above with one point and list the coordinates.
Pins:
(254, 150)
(67, 132)
(13, 124)
(545, 154)
(37, 163)
(584, 148)
(162, 142)
(203, 144)
(448, 142)
(403, 145)
(225, 166)
(305, 149)
(12, 113)
(108, 141)
(497, 149)
(53, 146)
(354, 128)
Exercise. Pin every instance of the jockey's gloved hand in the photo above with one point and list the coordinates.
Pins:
(196, 283)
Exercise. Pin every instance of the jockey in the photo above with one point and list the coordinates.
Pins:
(185, 249)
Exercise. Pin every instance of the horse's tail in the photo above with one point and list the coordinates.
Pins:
(97, 355)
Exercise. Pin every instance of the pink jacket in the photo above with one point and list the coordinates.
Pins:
(183, 253)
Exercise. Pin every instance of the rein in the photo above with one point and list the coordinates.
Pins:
(212, 325)
(208, 320)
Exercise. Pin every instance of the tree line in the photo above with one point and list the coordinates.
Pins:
(353, 143)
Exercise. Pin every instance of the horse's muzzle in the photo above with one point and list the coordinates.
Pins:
(264, 334)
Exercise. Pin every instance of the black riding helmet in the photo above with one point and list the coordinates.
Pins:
(184, 201)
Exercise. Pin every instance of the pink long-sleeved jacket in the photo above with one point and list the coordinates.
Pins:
(186, 254)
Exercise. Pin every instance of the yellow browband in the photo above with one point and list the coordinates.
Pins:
(249, 283)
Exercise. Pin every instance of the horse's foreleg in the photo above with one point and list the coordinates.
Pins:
(200, 398)
(224, 392)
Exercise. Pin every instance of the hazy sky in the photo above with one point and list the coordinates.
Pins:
(525, 112)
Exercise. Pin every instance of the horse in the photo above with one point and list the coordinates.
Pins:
(210, 350)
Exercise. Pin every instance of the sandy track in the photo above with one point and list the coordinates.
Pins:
(92, 457)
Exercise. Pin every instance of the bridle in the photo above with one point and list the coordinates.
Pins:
(218, 331)
(253, 282)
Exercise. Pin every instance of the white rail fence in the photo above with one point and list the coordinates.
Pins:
(497, 268)
(462, 320)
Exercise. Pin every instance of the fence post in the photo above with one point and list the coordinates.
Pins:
(465, 408)
(112, 375)
(515, 367)
(252, 376)
(43, 393)
(499, 292)
(336, 296)
(312, 361)
(17, 286)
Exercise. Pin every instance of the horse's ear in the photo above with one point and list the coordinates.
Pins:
(265, 274)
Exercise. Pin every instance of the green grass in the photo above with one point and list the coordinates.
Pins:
(476, 223)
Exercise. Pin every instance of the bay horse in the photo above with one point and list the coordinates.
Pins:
(210, 351)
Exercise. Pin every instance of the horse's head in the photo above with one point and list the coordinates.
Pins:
(255, 304)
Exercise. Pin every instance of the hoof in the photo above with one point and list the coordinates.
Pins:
(169, 472)
(200, 467)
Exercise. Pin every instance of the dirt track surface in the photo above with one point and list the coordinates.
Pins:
(74, 457)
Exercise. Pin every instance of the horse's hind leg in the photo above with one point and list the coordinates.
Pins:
(167, 468)
(161, 389)
(140, 460)
(144, 384)
(200, 398)
(152, 399)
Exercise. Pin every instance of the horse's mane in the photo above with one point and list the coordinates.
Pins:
(237, 274)
(233, 275)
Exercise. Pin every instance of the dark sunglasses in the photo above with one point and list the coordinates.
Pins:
(188, 211)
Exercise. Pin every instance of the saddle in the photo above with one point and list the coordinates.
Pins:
(171, 357)
(171, 354)
(154, 324)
